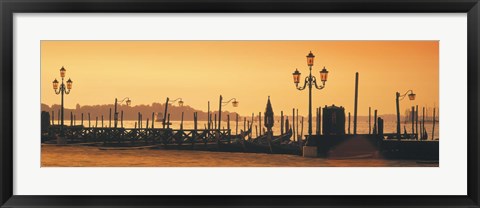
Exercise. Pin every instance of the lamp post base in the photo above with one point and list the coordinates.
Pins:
(310, 151)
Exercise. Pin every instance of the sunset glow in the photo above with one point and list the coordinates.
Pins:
(250, 71)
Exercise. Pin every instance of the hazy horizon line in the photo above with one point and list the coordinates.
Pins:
(240, 115)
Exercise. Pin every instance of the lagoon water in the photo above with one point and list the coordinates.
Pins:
(88, 156)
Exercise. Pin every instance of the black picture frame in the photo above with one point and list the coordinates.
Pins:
(10, 7)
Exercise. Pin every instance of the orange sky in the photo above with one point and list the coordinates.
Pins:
(199, 71)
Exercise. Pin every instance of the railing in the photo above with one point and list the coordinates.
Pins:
(80, 134)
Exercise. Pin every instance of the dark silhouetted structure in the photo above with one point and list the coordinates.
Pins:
(333, 120)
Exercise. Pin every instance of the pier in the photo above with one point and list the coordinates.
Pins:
(330, 138)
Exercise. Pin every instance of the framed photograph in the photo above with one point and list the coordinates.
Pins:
(239, 103)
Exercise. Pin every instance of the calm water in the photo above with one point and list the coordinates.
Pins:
(362, 127)
(84, 156)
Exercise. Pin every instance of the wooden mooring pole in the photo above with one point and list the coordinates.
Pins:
(110, 119)
(209, 118)
(165, 114)
(356, 105)
(250, 134)
(121, 119)
(102, 122)
(413, 120)
(53, 117)
(380, 126)
(348, 122)
(71, 118)
(195, 124)
(82, 120)
(115, 115)
(244, 123)
(228, 122)
(397, 103)
(168, 121)
(434, 121)
(138, 120)
(210, 122)
(369, 120)
(287, 123)
(375, 127)
(96, 122)
(301, 134)
(260, 122)
(251, 124)
(153, 119)
(416, 122)
(299, 139)
(316, 121)
(219, 115)
(181, 122)
(423, 123)
(281, 122)
(293, 125)
(195, 121)
(89, 120)
(236, 124)
(228, 127)
(319, 120)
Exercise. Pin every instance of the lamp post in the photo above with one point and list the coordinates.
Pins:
(234, 104)
(115, 116)
(398, 97)
(62, 91)
(310, 81)
(180, 103)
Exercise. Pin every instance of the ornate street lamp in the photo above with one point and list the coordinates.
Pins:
(323, 75)
(398, 98)
(180, 101)
(127, 101)
(310, 81)
(62, 72)
(296, 76)
(62, 91)
(69, 84)
(234, 103)
(310, 58)
(55, 84)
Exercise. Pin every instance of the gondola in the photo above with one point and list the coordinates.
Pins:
(236, 143)
(279, 144)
